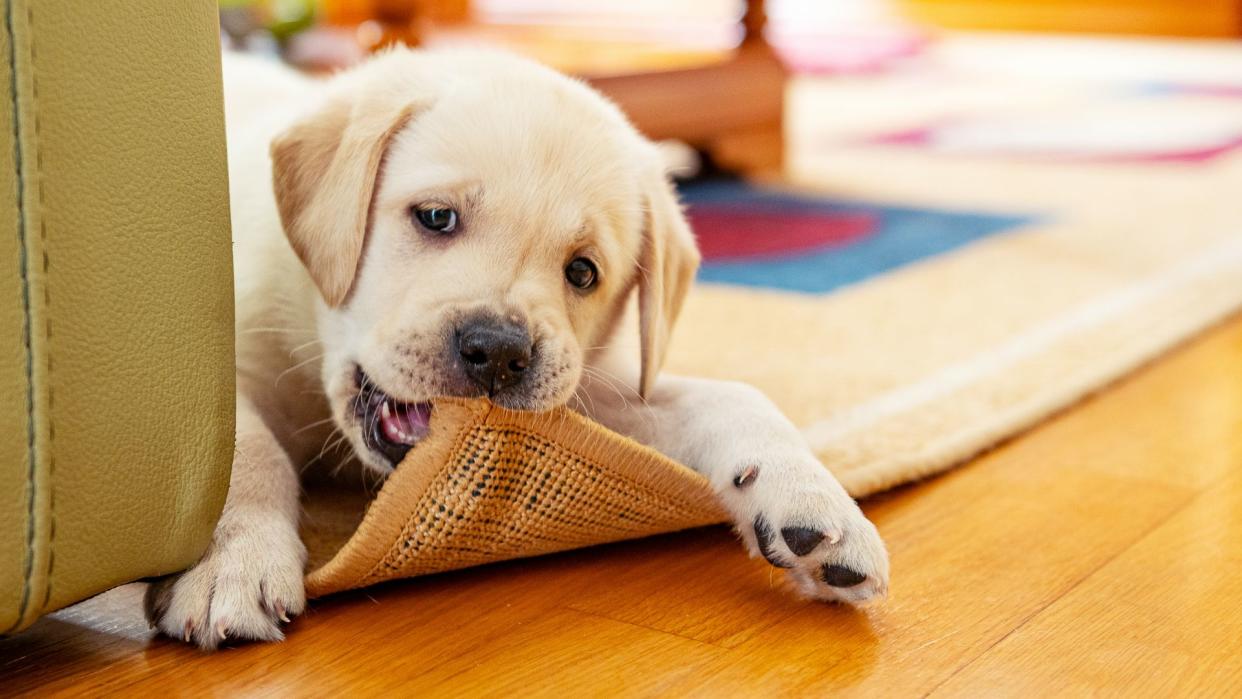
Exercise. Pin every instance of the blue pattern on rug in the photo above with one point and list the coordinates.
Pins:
(900, 236)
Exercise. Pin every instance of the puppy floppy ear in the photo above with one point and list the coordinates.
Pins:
(324, 171)
(669, 258)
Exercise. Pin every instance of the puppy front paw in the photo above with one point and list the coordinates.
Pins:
(797, 517)
(247, 584)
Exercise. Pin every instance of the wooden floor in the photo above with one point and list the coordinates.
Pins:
(1100, 553)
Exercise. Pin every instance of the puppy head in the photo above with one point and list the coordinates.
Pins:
(474, 224)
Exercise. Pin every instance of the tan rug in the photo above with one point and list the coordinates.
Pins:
(894, 379)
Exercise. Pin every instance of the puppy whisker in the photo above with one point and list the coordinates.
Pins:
(295, 367)
(290, 330)
(305, 345)
(335, 433)
(312, 425)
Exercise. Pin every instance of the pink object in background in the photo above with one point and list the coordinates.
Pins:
(841, 36)
(1085, 135)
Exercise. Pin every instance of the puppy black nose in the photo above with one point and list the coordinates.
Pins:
(495, 353)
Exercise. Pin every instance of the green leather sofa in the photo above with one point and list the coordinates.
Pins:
(116, 311)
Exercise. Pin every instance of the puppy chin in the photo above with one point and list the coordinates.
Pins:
(370, 460)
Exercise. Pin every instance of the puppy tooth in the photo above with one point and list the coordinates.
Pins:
(385, 410)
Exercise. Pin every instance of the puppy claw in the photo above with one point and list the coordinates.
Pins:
(212, 602)
(746, 476)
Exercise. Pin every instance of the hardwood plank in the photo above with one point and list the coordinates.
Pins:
(567, 652)
(974, 555)
(431, 630)
(977, 553)
(1183, 415)
(1163, 619)
(979, 550)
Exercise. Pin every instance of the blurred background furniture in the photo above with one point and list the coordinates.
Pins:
(116, 328)
(1189, 18)
(731, 109)
(708, 73)
(698, 71)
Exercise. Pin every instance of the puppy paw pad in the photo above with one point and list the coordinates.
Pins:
(802, 540)
(764, 538)
(840, 576)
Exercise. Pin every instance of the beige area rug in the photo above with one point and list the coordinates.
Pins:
(894, 378)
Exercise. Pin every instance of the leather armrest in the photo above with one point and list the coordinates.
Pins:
(116, 312)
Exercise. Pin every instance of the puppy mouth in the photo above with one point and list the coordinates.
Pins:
(389, 427)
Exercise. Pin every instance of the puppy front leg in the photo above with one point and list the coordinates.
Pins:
(250, 578)
(786, 506)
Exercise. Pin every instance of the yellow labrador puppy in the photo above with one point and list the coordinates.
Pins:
(467, 224)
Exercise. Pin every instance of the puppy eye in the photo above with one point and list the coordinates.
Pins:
(437, 219)
(582, 273)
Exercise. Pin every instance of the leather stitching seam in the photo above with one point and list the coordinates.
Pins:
(23, 270)
(47, 307)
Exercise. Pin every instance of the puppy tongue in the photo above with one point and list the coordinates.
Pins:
(404, 423)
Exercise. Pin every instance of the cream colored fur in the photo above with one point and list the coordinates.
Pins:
(331, 273)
